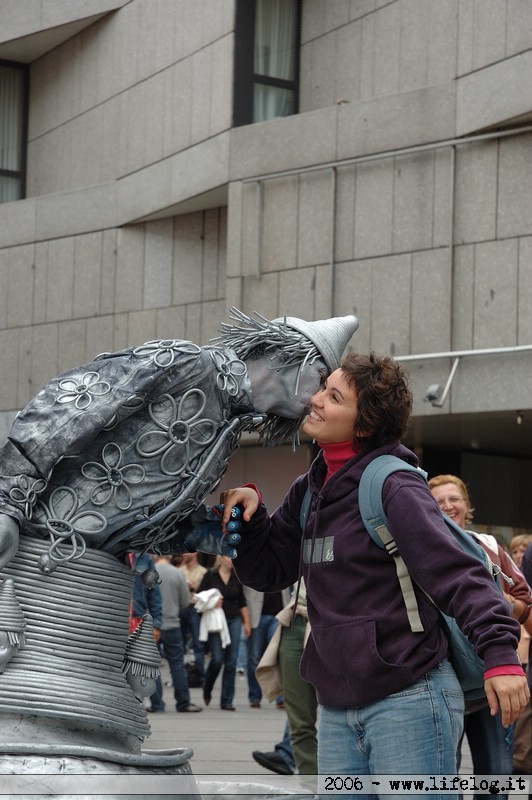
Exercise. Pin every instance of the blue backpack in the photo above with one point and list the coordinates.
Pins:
(469, 667)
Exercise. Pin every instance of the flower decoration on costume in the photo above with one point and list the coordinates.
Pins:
(65, 525)
(230, 372)
(164, 352)
(25, 493)
(113, 478)
(178, 426)
(82, 392)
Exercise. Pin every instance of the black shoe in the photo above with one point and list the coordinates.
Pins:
(272, 761)
(228, 707)
(206, 698)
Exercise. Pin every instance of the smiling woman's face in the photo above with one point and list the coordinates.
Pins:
(333, 411)
(451, 502)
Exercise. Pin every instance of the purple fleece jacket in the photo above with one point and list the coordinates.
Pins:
(361, 648)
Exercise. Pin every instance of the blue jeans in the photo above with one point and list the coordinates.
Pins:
(190, 626)
(257, 644)
(223, 657)
(413, 732)
(171, 642)
(242, 657)
(491, 745)
(284, 748)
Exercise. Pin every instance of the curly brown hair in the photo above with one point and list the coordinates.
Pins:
(384, 401)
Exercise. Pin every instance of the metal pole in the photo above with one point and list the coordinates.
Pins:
(493, 351)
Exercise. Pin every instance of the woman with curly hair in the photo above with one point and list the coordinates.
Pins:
(390, 700)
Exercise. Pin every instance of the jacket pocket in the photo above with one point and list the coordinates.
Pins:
(343, 660)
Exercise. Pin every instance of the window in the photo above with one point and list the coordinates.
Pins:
(267, 40)
(13, 130)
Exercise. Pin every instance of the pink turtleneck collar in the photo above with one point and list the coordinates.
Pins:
(336, 454)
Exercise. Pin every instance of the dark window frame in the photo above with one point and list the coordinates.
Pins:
(244, 76)
(22, 173)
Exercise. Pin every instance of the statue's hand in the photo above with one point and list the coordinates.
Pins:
(9, 536)
(207, 536)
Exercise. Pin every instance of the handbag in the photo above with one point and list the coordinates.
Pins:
(268, 672)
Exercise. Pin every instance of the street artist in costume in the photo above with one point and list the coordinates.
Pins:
(115, 456)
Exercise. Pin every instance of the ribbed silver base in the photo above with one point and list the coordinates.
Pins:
(148, 776)
(66, 687)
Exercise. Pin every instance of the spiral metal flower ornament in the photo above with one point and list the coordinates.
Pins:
(165, 352)
(26, 492)
(177, 427)
(113, 478)
(66, 526)
(82, 392)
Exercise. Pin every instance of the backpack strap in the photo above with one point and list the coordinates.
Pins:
(374, 518)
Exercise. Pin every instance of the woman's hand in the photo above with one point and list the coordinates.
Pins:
(244, 496)
(510, 693)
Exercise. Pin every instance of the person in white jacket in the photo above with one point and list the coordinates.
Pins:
(209, 604)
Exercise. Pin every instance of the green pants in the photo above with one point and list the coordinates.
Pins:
(299, 699)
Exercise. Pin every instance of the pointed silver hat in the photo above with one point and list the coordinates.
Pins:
(329, 336)
(142, 655)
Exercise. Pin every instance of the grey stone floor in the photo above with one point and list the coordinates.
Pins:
(222, 741)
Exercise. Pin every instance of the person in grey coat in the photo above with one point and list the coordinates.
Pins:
(176, 596)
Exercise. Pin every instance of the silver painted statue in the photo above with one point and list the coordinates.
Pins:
(115, 456)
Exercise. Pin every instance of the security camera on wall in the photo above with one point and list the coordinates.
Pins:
(433, 393)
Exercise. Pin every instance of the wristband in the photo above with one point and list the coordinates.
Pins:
(505, 669)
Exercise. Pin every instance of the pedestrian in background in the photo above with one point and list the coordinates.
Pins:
(518, 547)
(263, 608)
(147, 598)
(523, 725)
(491, 744)
(299, 696)
(223, 579)
(175, 596)
(190, 620)
(278, 672)
(279, 760)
